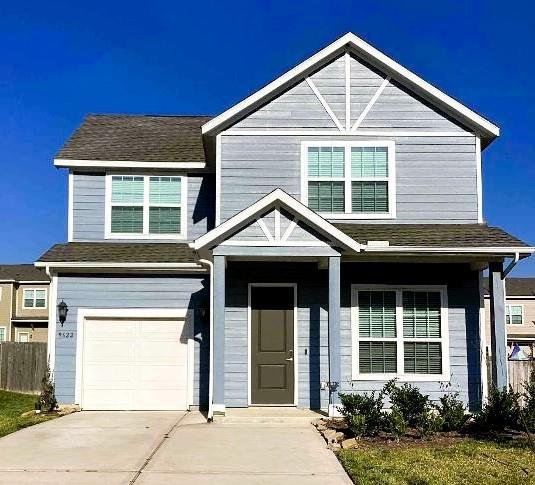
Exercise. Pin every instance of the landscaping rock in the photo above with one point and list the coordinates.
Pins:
(28, 413)
(334, 446)
(350, 443)
(333, 436)
(65, 409)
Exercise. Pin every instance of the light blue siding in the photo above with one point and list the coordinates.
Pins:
(185, 292)
(436, 177)
(89, 199)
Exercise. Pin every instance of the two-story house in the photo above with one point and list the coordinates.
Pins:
(323, 235)
(519, 315)
(23, 303)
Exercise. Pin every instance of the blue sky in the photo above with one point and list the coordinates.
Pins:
(60, 60)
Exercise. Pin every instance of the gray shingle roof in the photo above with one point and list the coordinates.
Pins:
(119, 253)
(432, 235)
(137, 138)
(515, 286)
(22, 272)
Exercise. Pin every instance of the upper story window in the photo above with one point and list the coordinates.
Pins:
(349, 180)
(400, 332)
(34, 298)
(514, 314)
(145, 206)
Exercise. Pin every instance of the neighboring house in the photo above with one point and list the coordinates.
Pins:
(324, 235)
(23, 303)
(519, 314)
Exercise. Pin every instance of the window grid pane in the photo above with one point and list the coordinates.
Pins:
(377, 314)
(326, 162)
(369, 162)
(127, 220)
(369, 197)
(164, 220)
(127, 189)
(165, 190)
(2, 334)
(326, 196)
(422, 357)
(421, 314)
(377, 357)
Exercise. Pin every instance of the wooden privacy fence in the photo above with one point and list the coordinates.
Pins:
(520, 373)
(22, 366)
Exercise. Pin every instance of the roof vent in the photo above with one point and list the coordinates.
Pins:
(378, 244)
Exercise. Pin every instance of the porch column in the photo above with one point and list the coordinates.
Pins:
(335, 367)
(218, 351)
(498, 338)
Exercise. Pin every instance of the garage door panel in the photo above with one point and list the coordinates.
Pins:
(134, 365)
(105, 377)
(120, 351)
(161, 352)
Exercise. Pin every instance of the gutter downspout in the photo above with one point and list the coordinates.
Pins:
(210, 265)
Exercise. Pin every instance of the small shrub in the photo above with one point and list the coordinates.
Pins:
(363, 412)
(408, 400)
(452, 411)
(528, 409)
(47, 398)
(502, 410)
(429, 423)
(395, 424)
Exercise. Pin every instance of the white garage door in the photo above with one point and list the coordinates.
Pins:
(134, 364)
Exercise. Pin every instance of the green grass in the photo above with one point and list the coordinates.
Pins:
(12, 405)
(459, 463)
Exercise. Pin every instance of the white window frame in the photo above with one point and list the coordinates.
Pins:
(508, 313)
(146, 207)
(5, 333)
(24, 290)
(23, 333)
(347, 179)
(399, 339)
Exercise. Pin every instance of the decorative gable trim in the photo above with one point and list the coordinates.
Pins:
(278, 198)
(350, 42)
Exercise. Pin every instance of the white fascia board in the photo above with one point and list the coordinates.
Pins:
(63, 162)
(141, 266)
(371, 54)
(279, 196)
(476, 250)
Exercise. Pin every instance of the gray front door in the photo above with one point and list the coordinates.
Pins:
(272, 345)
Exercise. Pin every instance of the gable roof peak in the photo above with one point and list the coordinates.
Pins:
(350, 42)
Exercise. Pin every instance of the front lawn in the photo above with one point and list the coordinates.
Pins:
(12, 406)
(467, 461)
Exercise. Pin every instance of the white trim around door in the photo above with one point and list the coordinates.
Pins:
(296, 352)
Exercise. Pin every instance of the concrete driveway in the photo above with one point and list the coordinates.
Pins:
(146, 448)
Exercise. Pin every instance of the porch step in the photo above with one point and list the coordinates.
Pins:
(269, 415)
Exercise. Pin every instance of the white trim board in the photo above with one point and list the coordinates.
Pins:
(345, 134)
(350, 43)
(296, 341)
(185, 267)
(63, 162)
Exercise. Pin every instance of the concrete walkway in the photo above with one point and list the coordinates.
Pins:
(148, 448)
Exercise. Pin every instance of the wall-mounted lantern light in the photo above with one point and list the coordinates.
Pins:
(62, 312)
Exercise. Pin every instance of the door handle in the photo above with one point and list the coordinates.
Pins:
(290, 356)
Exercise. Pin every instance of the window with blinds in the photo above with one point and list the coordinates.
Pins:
(399, 332)
(514, 314)
(349, 179)
(146, 205)
(326, 168)
(34, 298)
